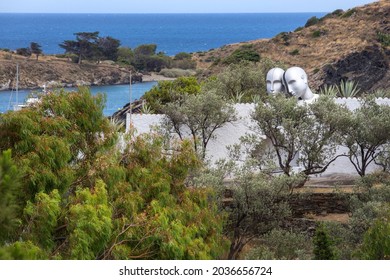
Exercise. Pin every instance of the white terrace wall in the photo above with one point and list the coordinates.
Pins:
(230, 133)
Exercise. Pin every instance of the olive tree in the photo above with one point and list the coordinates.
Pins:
(254, 202)
(305, 133)
(366, 133)
(198, 117)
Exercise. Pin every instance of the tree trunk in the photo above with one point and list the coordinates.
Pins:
(237, 245)
(235, 250)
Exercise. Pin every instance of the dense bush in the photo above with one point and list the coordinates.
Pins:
(244, 52)
(240, 82)
(24, 51)
(384, 38)
(67, 192)
(349, 13)
(170, 91)
(376, 244)
(312, 21)
(323, 245)
(282, 245)
(316, 34)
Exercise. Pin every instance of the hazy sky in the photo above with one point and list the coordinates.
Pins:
(175, 6)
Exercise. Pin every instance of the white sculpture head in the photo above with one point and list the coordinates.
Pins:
(275, 81)
(295, 79)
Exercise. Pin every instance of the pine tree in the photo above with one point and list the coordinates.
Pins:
(36, 49)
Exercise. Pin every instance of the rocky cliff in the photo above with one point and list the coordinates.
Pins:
(343, 45)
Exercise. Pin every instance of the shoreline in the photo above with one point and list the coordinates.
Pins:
(151, 77)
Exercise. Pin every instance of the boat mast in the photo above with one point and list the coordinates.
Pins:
(128, 115)
(17, 84)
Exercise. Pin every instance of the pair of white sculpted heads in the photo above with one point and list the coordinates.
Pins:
(293, 82)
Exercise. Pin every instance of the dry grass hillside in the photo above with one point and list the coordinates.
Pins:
(352, 44)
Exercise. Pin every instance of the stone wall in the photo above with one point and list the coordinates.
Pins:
(319, 203)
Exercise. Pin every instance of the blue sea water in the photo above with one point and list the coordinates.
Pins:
(173, 33)
(117, 96)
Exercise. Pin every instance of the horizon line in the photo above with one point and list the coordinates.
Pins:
(164, 13)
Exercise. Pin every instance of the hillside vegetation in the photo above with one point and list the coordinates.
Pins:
(343, 45)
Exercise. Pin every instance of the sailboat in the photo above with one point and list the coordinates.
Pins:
(16, 106)
(29, 101)
(129, 113)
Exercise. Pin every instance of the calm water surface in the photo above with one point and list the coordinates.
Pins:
(117, 96)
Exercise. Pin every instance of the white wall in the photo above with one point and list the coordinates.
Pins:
(230, 134)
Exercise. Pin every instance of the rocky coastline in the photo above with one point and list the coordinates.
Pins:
(51, 72)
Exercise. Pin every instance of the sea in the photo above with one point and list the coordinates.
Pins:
(172, 33)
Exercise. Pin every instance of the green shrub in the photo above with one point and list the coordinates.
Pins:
(322, 244)
(170, 91)
(294, 52)
(282, 245)
(337, 12)
(341, 235)
(182, 55)
(245, 52)
(316, 34)
(217, 61)
(384, 38)
(24, 51)
(125, 55)
(184, 64)
(241, 81)
(349, 13)
(376, 244)
(348, 89)
(384, 93)
(311, 21)
(210, 59)
(330, 90)
(285, 37)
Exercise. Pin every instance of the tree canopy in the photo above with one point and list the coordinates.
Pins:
(366, 134)
(36, 49)
(302, 134)
(68, 192)
(88, 45)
